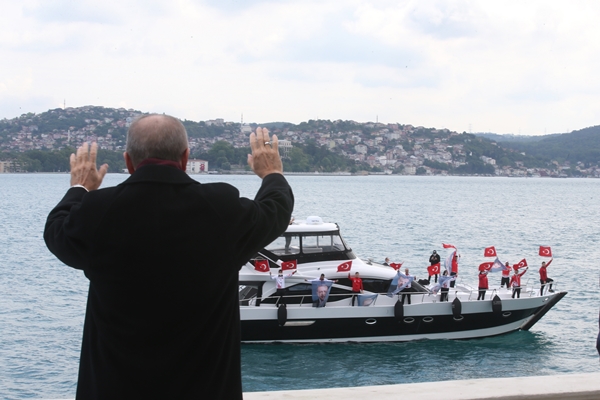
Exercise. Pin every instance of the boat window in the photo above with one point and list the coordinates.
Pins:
(322, 243)
(249, 291)
(287, 244)
(369, 285)
(302, 294)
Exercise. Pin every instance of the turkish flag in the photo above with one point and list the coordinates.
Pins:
(520, 264)
(486, 266)
(434, 269)
(262, 265)
(490, 252)
(345, 267)
(396, 266)
(545, 251)
(287, 265)
(448, 246)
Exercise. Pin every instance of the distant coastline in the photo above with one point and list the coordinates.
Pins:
(242, 172)
(44, 142)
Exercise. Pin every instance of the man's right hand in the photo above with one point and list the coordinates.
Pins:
(265, 158)
(83, 168)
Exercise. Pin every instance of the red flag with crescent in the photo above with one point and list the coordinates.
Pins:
(545, 251)
(396, 266)
(288, 265)
(345, 267)
(448, 246)
(490, 252)
(520, 264)
(262, 265)
(486, 266)
(433, 269)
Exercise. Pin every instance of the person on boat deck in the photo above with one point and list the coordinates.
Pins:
(387, 261)
(357, 285)
(515, 282)
(483, 284)
(280, 284)
(544, 280)
(322, 295)
(404, 285)
(434, 258)
(454, 271)
(444, 285)
(322, 290)
(505, 276)
(146, 247)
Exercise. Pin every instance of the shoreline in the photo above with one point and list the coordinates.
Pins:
(316, 174)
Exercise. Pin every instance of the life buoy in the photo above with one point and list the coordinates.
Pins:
(399, 311)
(496, 305)
(282, 314)
(456, 308)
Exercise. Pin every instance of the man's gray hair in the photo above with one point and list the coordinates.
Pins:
(156, 136)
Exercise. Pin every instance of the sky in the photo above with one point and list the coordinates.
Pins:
(520, 67)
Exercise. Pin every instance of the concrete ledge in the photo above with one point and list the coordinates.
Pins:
(553, 387)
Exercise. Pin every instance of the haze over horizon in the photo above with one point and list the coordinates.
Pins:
(508, 67)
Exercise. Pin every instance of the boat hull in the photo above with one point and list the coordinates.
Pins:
(380, 324)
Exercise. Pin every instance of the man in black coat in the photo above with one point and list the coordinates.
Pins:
(162, 253)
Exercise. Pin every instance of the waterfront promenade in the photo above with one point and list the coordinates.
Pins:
(552, 387)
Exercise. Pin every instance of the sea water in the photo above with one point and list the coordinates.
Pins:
(42, 302)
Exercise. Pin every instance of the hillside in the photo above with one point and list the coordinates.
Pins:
(582, 146)
(42, 142)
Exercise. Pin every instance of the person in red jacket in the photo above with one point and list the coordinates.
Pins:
(454, 271)
(357, 284)
(483, 285)
(544, 280)
(515, 282)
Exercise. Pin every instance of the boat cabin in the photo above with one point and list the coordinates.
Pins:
(310, 241)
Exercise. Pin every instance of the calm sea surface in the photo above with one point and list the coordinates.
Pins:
(42, 302)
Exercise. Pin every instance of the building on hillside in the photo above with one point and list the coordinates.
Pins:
(196, 166)
(285, 146)
(12, 166)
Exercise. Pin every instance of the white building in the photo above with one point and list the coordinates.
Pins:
(284, 148)
(196, 166)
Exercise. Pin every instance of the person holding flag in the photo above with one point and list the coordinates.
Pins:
(483, 284)
(544, 280)
(280, 283)
(408, 288)
(451, 262)
(454, 268)
(320, 290)
(434, 267)
(515, 282)
(357, 285)
(401, 282)
(443, 284)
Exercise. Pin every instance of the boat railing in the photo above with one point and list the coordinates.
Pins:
(416, 297)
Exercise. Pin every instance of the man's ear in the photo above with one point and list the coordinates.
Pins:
(184, 159)
(129, 163)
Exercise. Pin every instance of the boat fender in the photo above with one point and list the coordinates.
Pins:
(282, 314)
(399, 311)
(496, 305)
(456, 308)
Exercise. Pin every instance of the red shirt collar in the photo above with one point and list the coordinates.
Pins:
(158, 161)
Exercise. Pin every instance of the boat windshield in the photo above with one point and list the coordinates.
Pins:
(307, 243)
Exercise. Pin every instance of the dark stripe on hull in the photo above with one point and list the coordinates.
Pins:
(348, 328)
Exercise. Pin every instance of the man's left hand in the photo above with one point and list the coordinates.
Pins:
(83, 168)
